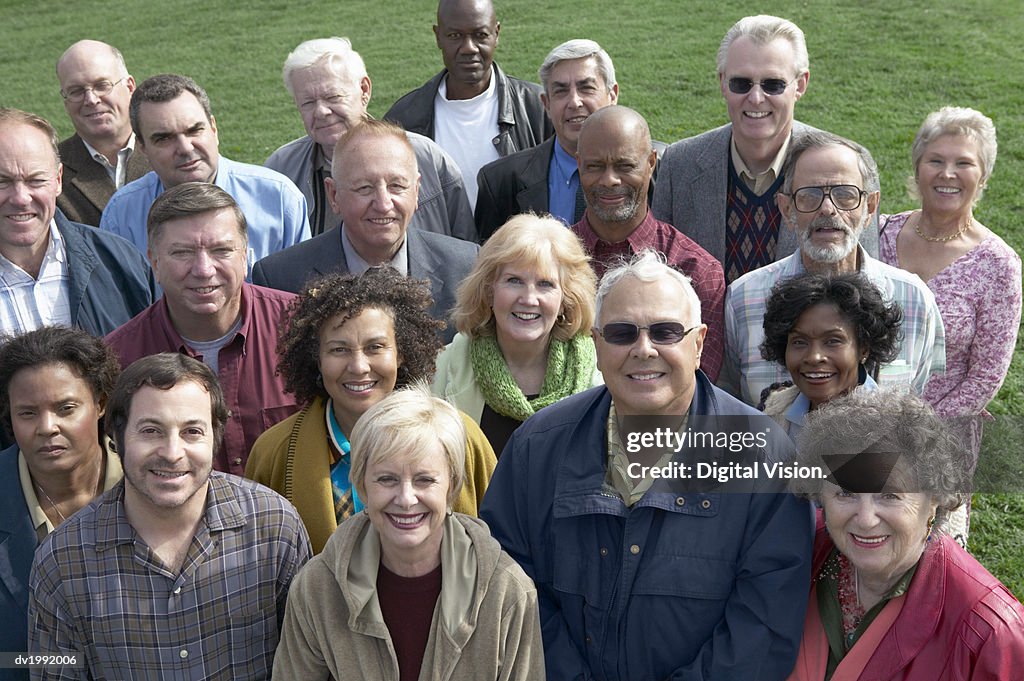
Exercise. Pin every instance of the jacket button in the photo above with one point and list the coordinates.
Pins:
(706, 504)
(237, 461)
(604, 551)
(680, 501)
(634, 549)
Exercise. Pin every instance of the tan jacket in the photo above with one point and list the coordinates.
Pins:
(293, 459)
(485, 625)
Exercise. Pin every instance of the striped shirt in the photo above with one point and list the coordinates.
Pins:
(745, 374)
(97, 589)
(28, 303)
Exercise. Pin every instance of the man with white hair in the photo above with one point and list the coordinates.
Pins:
(100, 157)
(578, 78)
(719, 187)
(827, 199)
(639, 577)
(328, 82)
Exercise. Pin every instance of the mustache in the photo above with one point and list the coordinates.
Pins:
(828, 222)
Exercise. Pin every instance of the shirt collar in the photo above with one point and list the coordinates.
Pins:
(128, 148)
(565, 163)
(765, 179)
(356, 264)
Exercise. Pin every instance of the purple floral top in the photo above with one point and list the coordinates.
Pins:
(979, 296)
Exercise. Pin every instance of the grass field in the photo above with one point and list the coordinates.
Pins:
(877, 68)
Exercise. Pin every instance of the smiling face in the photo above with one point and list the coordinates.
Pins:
(330, 101)
(467, 35)
(575, 90)
(374, 190)
(644, 378)
(822, 354)
(949, 175)
(179, 141)
(757, 117)
(30, 182)
(883, 535)
(55, 416)
(526, 302)
(828, 235)
(200, 261)
(406, 500)
(99, 120)
(168, 449)
(359, 362)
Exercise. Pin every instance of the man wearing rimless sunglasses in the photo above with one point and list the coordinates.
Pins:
(649, 339)
(719, 187)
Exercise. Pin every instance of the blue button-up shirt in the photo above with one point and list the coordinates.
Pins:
(563, 181)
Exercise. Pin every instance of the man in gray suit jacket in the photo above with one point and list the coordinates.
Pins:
(101, 156)
(374, 190)
(719, 187)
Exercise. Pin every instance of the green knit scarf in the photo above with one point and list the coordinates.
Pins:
(570, 369)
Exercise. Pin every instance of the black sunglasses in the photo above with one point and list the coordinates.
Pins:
(660, 333)
(769, 86)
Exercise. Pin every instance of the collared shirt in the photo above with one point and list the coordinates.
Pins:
(322, 215)
(246, 366)
(563, 182)
(618, 480)
(801, 407)
(745, 374)
(28, 303)
(682, 253)
(112, 474)
(759, 183)
(356, 264)
(119, 173)
(97, 589)
(274, 208)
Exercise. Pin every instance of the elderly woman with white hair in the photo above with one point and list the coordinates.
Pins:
(408, 589)
(974, 274)
(893, 597)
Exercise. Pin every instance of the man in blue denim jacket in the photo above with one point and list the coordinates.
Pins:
(646, 565)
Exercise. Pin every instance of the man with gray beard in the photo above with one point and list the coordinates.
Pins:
(828, 196)
(616, 161)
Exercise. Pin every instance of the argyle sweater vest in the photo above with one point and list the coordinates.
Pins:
(751, 227)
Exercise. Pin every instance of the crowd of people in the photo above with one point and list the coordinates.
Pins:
(391, 406)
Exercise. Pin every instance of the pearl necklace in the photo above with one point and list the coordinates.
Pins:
(943, 239)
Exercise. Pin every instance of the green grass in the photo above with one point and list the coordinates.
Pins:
(877, 68)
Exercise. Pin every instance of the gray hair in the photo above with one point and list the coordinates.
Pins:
(580, 48)
(962, 121)
(12, 116)
(763, 29)
(336, 53)
(164, 88)
(887, 421)
(818, 139)
(648, 265)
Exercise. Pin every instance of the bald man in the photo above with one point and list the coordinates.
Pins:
(616, 162)
(472, 109)
(101, 156)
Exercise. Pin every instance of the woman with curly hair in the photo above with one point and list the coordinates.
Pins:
(831, 332)
(350, 341)
(524, 315)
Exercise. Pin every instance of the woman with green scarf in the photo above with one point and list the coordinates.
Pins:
(524, 315)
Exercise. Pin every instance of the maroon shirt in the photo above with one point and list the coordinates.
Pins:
(407, 604)
(682, 253)
(247, 364)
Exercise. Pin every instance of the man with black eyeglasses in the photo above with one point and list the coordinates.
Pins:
(639, 574)
(827, 198)
(719, 187)
(100, 157)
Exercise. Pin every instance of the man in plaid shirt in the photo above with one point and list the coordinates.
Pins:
(178, 572)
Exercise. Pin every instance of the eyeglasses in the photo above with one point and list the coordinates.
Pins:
(769, 86)
(660, 333)
(842, 196)
(99, 88)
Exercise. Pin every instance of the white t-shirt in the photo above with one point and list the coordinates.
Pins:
(466, 128)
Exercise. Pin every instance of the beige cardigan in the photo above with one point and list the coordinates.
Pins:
(485, 624)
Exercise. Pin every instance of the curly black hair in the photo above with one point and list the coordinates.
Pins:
(878, 324)
(89, 356)
(407, 300)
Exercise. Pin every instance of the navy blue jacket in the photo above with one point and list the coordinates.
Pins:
(17, 546)
(684, 586)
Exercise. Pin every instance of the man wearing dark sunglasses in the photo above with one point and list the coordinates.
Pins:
(719, 187)
(637, 578)
(827, 199)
